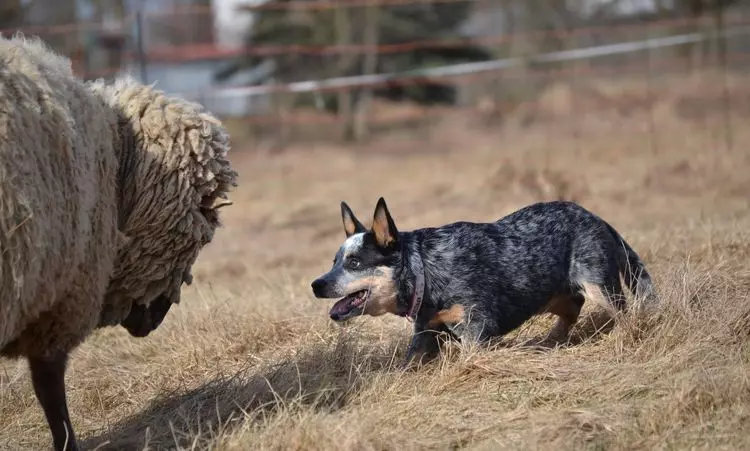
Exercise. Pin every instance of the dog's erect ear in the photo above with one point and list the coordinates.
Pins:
(383, 226)
(351, 223)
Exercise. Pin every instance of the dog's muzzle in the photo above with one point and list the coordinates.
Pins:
(319, 287)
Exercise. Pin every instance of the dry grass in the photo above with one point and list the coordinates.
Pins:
(250, 360)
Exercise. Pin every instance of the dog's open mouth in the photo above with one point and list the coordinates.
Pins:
(350, 305)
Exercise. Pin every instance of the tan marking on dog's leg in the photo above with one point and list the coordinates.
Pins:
(560, 330)
(567, 309)
(453, 315)
(550, 305)
(594, 293)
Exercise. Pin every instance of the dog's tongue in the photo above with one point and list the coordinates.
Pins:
(342, 306)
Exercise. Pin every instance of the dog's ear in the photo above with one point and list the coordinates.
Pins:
(383, 226)
(351, 223)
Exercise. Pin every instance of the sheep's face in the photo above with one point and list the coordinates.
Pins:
(143, 319)
(151, 302)
(174, 176)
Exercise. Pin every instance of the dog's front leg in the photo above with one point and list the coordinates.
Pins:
(472, 332)
(424, 346)
(466, 330)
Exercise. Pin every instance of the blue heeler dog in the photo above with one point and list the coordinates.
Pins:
(475, 281)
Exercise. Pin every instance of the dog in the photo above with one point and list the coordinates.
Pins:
(475, 281)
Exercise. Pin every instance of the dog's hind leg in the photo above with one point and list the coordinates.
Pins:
(596, 275)
(567, 309)
(608, 295)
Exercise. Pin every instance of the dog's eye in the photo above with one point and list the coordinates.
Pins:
(354, 263)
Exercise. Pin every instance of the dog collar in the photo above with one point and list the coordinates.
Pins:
(418, 296)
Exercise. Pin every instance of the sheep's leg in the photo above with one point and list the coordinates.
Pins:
(48, 378)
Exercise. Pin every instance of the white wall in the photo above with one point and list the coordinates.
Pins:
(230, 25)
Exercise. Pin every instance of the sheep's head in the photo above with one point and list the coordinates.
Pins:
(173, 178)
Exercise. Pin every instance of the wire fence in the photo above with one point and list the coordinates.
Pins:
(177, 49)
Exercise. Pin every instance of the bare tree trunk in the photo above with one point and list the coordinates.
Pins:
(108, 54)
(499, 90)
(371, 39)
(721, 55)
(282, 105)
(700, 50)
(342, 20)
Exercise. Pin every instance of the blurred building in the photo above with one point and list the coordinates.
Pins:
(230, 28)
(186, 42)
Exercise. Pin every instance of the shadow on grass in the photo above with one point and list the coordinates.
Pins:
(325, 377)
(320, 376)
(589, 328)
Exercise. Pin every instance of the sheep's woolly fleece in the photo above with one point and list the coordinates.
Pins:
(106, 197)
(173, 173)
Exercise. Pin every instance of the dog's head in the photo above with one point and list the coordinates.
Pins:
(364, 269)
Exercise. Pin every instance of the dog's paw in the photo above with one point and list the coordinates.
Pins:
(543, 343)
(406, 365)
(417, 361)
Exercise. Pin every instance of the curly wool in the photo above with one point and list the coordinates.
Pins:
(173, 169)
(107, 194)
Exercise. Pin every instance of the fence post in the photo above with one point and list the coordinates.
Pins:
(651, 95)
(721, 53)
(370, 39)
(140, 50)
(342, 21)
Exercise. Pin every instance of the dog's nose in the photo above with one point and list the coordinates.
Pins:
(317, 287)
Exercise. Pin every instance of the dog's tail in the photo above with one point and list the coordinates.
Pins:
(634, 270)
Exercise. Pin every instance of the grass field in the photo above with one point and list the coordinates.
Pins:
(250, 360)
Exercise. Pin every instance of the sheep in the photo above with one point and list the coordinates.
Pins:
(108, 192)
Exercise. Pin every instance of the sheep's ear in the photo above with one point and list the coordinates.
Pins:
(351, 223)
(219, 203)
(383, 226)
(209, 203)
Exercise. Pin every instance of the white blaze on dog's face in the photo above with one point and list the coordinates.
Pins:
(362, 272)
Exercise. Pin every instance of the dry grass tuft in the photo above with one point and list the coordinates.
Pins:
(250, 360)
